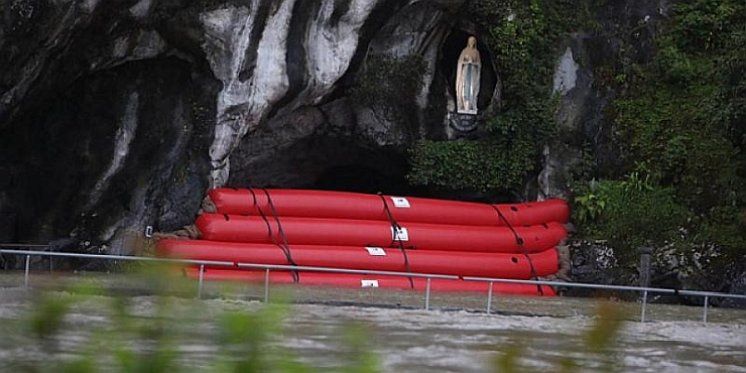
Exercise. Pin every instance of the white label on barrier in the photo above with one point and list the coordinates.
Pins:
(400, 202)
(375, 251)
(369, 283)
(400, 234)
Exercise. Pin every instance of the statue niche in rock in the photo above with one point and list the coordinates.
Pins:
(468, 73)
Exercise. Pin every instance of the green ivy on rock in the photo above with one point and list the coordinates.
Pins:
(389, 87)
(523, 37)
(684, 122)
(682, 125)
(498, 163)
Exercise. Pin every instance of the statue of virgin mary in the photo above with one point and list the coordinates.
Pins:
(467, 78)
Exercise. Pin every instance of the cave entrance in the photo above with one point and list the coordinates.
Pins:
(325, 162)
(361, 178)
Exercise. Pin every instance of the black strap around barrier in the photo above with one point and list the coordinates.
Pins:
(396, 228)
(284, 247)
(519, 240)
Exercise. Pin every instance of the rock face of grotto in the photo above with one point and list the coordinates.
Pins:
(119, 115)
(116, 116)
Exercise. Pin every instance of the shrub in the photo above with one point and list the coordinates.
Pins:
(630, 213)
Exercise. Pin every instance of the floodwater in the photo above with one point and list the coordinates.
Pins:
(456, 336)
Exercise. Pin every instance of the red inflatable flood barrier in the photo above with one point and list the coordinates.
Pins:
(358, 206)
(499, 265)
(336, 232)
(365, 281)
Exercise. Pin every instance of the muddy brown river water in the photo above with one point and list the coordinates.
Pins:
(456, 336)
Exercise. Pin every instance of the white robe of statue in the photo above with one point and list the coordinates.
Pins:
(467, 78)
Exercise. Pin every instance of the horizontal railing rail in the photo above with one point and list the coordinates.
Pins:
(428, 276)
(570, 284)
(116, 257)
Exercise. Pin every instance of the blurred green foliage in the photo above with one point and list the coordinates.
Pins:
(132, 338)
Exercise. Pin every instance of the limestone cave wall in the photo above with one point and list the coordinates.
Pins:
(119, 115)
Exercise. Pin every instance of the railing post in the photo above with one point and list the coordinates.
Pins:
(201, 279)
(644, 268)
(489, 298)
(25, 275)
(266, 285)
(427, 294)
(644, 305)
(704, 313)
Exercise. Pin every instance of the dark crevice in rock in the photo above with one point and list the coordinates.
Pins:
(262, 13)
(340, 9)
(295, 58)
(377, 18)
(181, 29)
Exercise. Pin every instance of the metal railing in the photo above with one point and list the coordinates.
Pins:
(269, 267)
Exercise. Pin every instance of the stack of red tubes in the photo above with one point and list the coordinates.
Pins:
(376, 233)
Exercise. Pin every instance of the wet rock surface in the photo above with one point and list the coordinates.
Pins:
(597, 263)
(118, 116)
